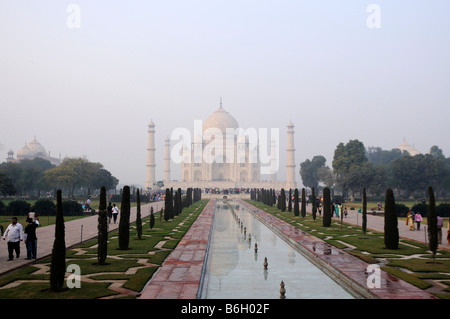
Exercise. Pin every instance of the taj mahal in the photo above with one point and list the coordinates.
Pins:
(214, 158)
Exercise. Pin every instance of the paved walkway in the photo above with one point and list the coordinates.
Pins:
(376, 222)
(180, 275)
(76, 231)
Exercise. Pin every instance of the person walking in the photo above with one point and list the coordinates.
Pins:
(13, 235)
(115, 212)
(31, 239)
(338, 209)
(409, 221)
(440, 224)
(448, 232)
(418, 219)
(109, 210)
(88, 204)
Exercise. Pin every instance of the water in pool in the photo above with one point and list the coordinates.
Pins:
(235, 271)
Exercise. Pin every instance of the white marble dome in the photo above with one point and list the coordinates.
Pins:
(221, 120)
(37, 148)
(25, 153)
(410, 149)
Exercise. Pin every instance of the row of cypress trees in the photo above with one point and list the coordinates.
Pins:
(58, 262)
(174, 202)
(391, 234)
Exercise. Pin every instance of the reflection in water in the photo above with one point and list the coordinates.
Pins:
(234, 265)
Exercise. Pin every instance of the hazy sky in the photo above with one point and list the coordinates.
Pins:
(87, 82)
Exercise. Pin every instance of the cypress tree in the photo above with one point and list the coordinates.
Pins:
(364, 212)
(175, 204)
(274, 197)
(283, 200)
(172, 209)
(290, 201)
(180, 204)
(391, 236)
(303, 203)
(279, 202)
(314, 207)
(152, 218)
(326, 221)
(270, 197)
(167, 205)
(58, 263)
(102, 248)
(138, 215)
(189, 196)
(296, 205)
(124, 223)
(432, 223)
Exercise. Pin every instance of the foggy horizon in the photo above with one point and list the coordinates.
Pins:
(86, 83)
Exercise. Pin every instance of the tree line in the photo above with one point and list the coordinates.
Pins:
(354, 167)
(32, 177)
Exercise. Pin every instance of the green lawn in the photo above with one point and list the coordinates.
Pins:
(411, 256)
(132, 267)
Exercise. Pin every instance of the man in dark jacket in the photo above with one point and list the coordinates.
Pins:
(31, 239)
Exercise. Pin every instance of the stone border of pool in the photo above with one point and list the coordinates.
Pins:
(344, 268)
(181, 274)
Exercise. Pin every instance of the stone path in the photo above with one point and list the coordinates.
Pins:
(180, 275)
(76, 231)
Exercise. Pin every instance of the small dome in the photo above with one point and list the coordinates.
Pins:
(410, 149)
(25, 152)
(221, 120)
(37, 148)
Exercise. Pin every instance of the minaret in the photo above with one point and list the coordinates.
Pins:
(290, 163)
(167, 161)
(150, 182)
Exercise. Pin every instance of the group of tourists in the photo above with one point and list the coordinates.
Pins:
(15, 233)
(413, 218)
(112, 212)
(339, 210)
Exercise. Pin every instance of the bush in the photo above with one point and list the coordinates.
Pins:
(442, 209)
(401, 210)
(422, 208)
(2, 208)
(18, 208)
(44, 207)
(338, 199)
(72, 208)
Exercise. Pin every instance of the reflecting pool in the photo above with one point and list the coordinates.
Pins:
(235, 270)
